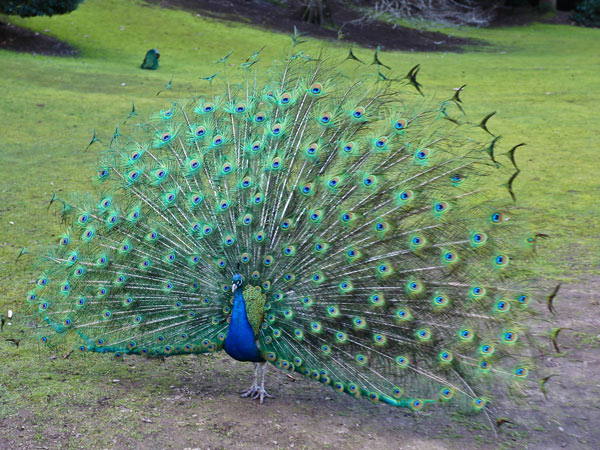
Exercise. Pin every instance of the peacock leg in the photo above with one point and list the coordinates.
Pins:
(262, 392)
(254, 388)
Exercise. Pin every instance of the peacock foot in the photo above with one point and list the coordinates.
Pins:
(250, 392)
(260, 395)
(257, 392)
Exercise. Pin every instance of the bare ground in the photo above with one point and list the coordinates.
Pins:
(345, 17)
(20, 39)
(192, 402)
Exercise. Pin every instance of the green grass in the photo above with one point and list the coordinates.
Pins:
(541, 79)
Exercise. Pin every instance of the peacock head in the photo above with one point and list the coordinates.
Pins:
(237, 282)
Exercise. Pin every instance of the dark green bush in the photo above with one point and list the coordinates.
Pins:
(587, 13)
(29, 8)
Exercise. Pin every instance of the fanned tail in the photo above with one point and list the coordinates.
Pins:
(380, 232)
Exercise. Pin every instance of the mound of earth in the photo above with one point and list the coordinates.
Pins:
(275, 16)
(20, 39)
(517, 17)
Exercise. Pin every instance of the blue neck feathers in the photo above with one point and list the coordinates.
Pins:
(239, 343)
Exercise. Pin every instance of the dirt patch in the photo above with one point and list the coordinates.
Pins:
(20, 39)
(280, 18)
(193, 402)
(518, 17)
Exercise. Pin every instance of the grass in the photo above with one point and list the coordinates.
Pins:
(541, 79)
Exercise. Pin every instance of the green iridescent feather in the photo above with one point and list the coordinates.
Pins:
(380, 247)
(255, 306)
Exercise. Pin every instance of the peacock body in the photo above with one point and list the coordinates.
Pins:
(315, 217)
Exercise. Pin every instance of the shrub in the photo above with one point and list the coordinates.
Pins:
(29, 8)
(587, 13)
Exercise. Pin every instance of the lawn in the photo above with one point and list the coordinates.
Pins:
(544, 83)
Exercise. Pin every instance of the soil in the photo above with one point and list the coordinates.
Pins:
(23, 40)
(273, 16)
(517, 17)
(201, 408)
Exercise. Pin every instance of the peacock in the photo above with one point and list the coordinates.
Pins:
(150, 61)
(320, 215)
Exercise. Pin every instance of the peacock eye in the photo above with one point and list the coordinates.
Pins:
(381, 142)
(325, 118)
(358, 113)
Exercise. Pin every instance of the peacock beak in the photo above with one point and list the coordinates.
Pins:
(233, 287)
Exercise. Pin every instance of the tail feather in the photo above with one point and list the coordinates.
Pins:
(380, 232)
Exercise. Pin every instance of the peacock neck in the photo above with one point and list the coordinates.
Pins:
(240, 343)
(239, 316)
